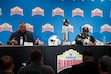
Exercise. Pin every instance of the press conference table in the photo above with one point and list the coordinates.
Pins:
(20, 54)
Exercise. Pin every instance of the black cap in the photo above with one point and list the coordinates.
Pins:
(85, 29)
(105, 63)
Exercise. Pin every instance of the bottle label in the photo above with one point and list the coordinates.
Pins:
(21, 40)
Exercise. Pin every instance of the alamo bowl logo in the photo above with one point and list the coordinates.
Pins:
(37, 11)
(97, 12)
(16, 10)
(57, 11)
(67, 59)
(5, 27)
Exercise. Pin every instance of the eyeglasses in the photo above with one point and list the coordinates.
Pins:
(85, 31)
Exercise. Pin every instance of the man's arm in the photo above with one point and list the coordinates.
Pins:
(93, 40)
(12, 40)
(78, 40)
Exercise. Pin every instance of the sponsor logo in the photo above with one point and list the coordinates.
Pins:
(70, 28)
(5, 27)
(0, 11)
(97, 12)
(67, 59)
(57, 11)
(16, 10)
(77, 12)
(105, 27)
(89, 27)
(37, 11)
(47, 27)
(29, 27)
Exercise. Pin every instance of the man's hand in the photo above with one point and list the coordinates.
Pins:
(38, 42)
(90, 43)
(14, 42)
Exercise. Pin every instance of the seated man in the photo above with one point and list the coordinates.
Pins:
(84, 38)
(89, 65)
(22, 32)
(6, 65)
(36, 65)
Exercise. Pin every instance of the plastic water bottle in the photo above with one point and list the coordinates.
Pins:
(104, 40)
(21, 40)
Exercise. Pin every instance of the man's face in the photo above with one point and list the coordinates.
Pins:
(22, 27)
(85, 33)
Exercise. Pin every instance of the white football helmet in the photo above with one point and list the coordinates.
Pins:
(54, 40)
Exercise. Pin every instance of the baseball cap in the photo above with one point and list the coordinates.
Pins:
(105, 63)
(85, 29)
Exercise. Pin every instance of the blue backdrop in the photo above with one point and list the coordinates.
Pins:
(56, 21)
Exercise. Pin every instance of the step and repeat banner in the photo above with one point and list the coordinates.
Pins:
(45, 18)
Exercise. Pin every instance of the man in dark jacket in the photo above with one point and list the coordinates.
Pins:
(36, 65)
(84, 38)
(22, 32)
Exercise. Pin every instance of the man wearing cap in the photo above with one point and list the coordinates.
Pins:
(84, 38)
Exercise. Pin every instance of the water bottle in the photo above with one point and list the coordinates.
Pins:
(21, 40)
(104, 40)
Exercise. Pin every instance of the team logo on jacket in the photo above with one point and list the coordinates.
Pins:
(47, 27)
(5, 27)
(0, 11)
(57, 11)
(105, 27)
(67, 59)
(29, 27)
(77, 12)
(16, 10)
(37, 11)
(97, 12)
(90, 28)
